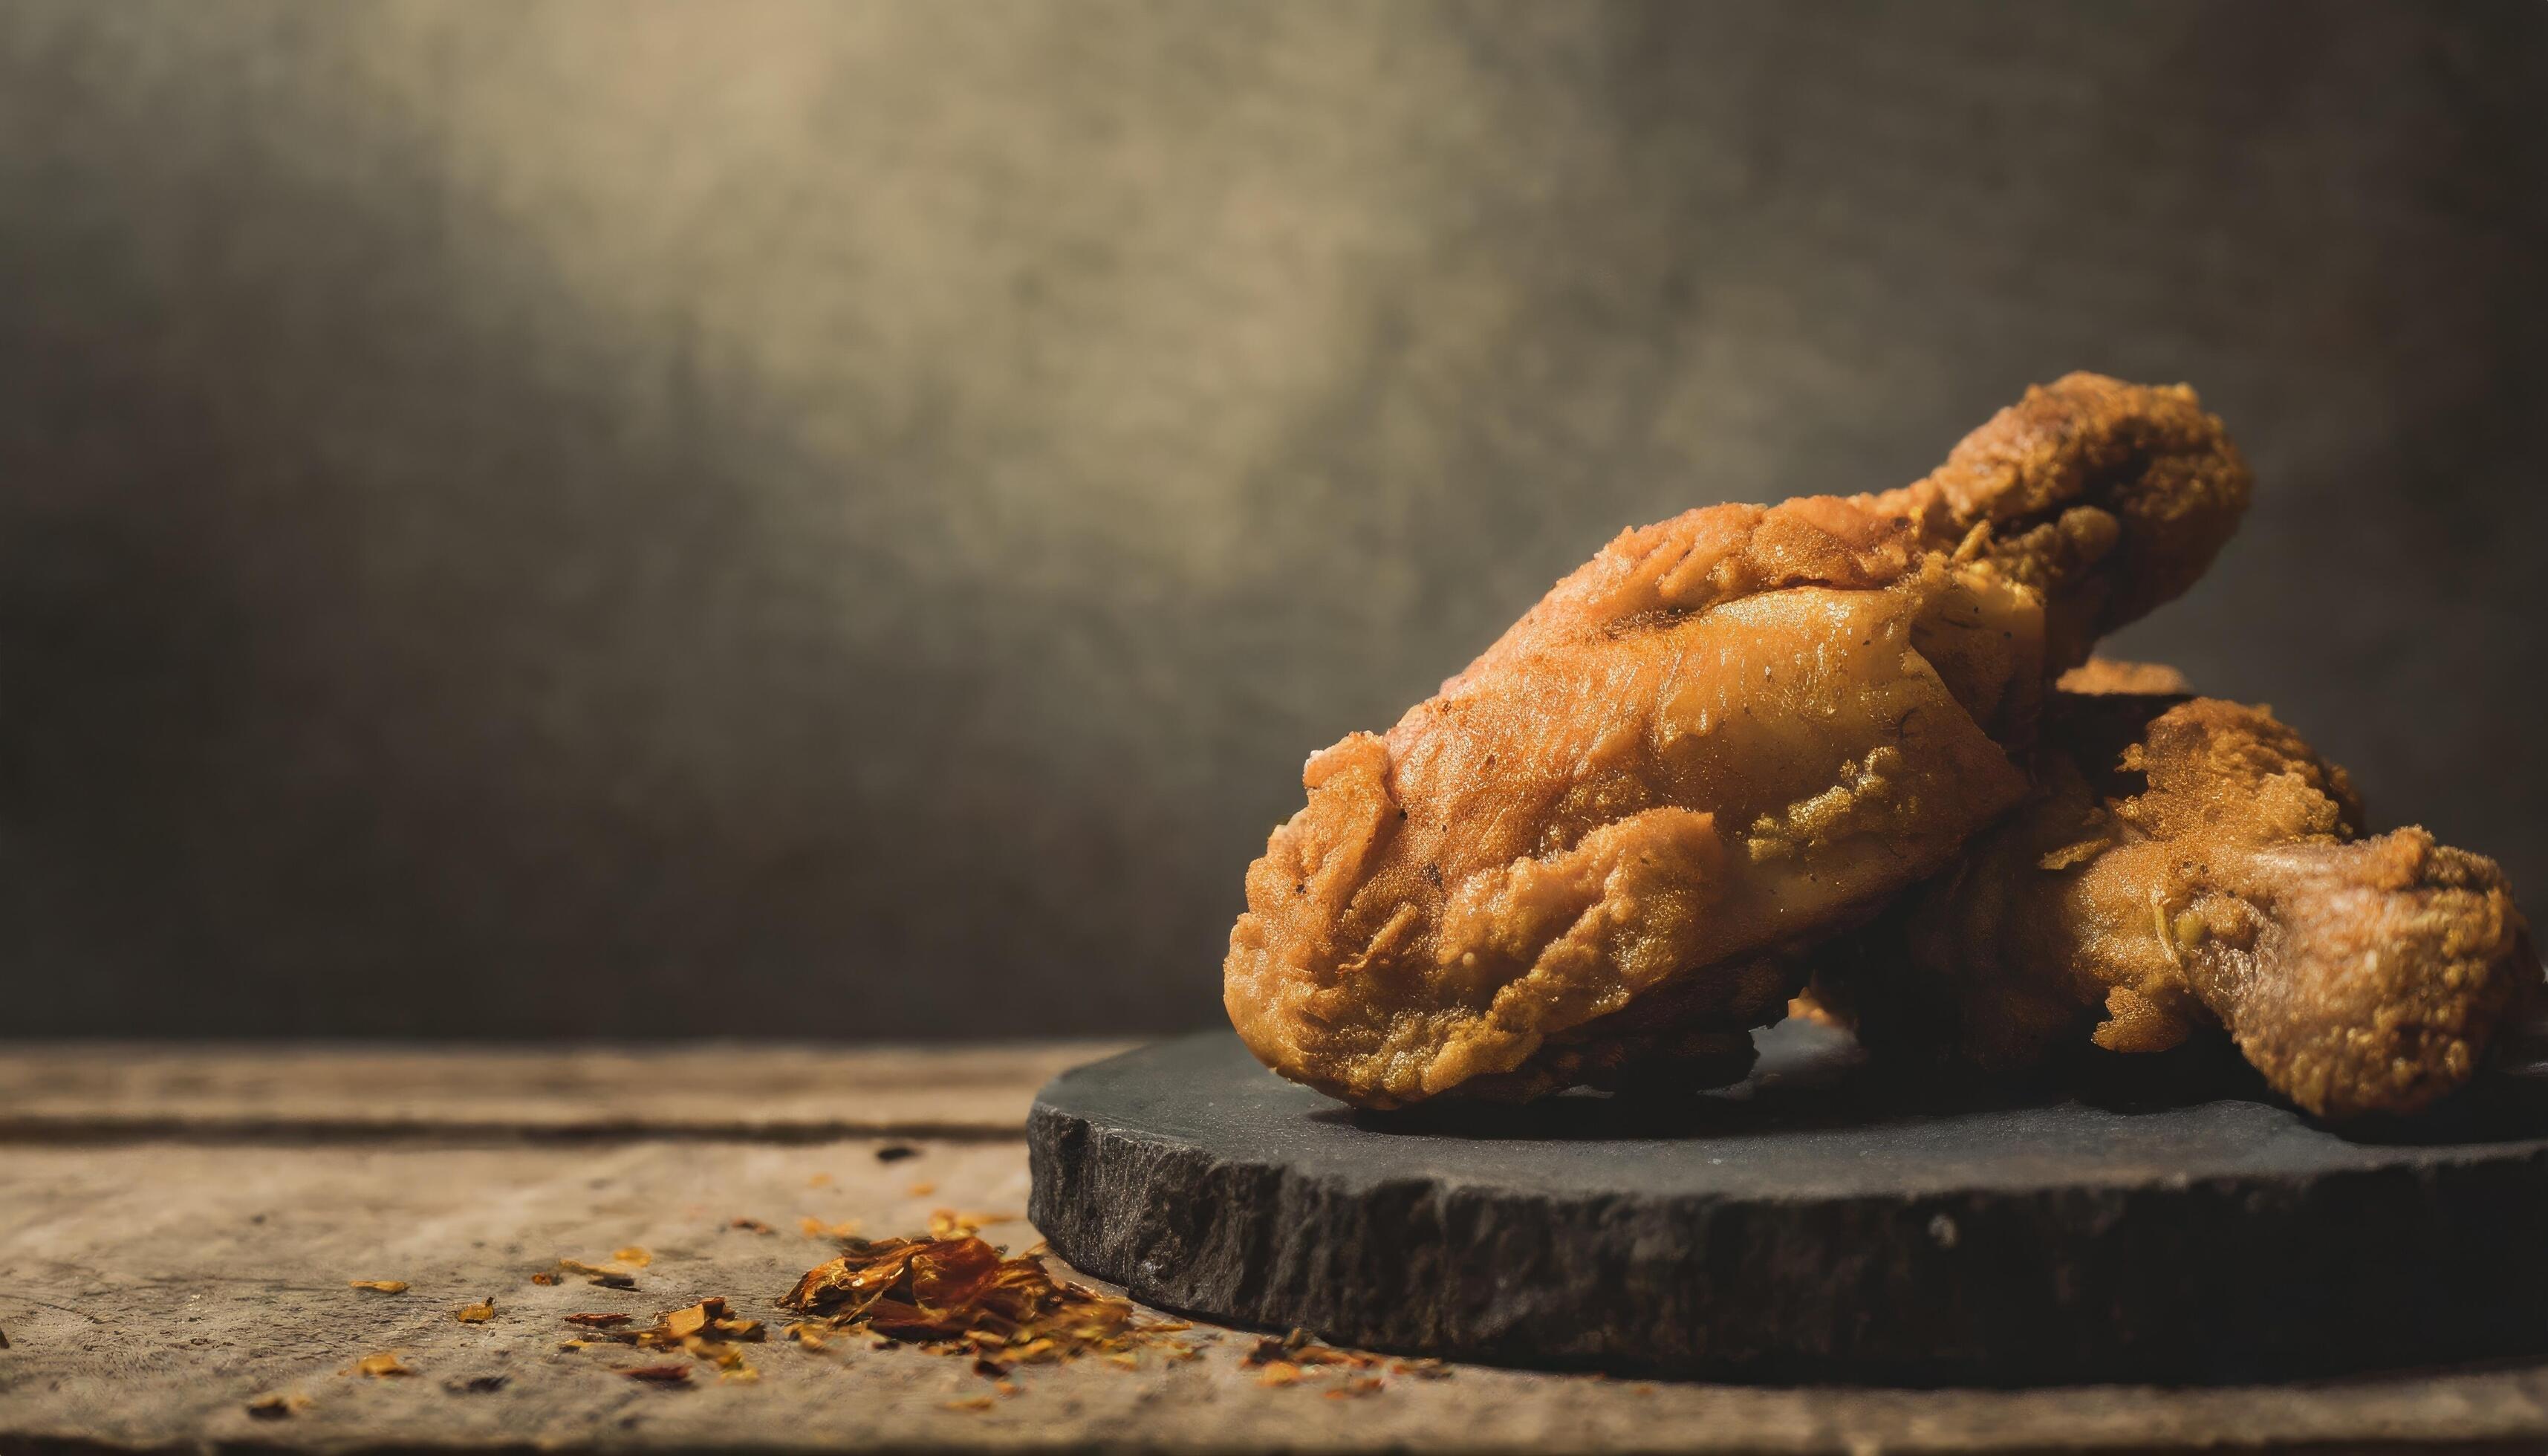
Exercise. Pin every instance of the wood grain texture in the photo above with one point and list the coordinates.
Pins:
(90, 1090)
(150, 1287)
(150, 1291)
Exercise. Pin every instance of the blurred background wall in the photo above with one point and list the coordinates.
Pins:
(608, 519)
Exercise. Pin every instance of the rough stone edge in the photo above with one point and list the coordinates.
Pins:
(2224, 1279)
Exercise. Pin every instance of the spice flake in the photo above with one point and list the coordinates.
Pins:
(961, 1295)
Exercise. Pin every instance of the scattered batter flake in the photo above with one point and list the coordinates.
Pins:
(1287, 1360)
(1273, 1348)
(707, 1330)
(959, 1295)
(477, 1313)
(819, 1180)
(923, 1190)
(632, 1256)
(751, 1226)
(814, 1228)
(379, 1367)
(970, 1403)
(379, 1286)
(544, 1278)
(607, 1276)
(277, 1406)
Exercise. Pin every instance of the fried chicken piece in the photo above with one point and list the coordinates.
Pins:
(1727, 735)
(2188, 864)
(2107, 675)
(2110, 499)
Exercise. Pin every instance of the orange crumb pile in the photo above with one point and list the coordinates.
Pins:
(959, 1295)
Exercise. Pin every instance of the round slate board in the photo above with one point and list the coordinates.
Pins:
(1815, 1223)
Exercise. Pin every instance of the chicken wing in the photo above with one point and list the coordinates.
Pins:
(1586, 859)
(2187, 863)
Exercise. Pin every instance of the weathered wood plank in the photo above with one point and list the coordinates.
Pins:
(148, 1289)
(90, 1090)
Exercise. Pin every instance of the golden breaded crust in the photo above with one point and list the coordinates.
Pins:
(1729, 734)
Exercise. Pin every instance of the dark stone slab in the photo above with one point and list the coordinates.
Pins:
(1816, 1224)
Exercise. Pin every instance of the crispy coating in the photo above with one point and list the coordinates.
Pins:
(1727, 736)
(2109, 497)
(2100, 675)
(2189, 864)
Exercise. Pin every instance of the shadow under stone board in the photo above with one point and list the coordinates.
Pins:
(1818, 1223)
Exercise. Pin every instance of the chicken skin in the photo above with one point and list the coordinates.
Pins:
(1593, 857)
(2187, 863)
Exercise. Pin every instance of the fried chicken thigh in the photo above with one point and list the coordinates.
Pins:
(2187, 863)
(1590, 857)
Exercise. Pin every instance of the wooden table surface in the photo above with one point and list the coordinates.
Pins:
(178, 1228)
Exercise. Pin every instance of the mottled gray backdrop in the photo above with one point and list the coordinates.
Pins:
(610, 518)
